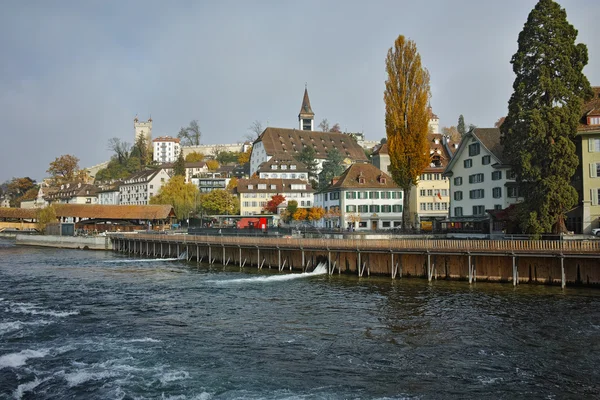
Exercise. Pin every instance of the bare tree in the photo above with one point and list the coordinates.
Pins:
(324, 125)
(120, 148)
(256, 128)
(336, 128)
(190, 136)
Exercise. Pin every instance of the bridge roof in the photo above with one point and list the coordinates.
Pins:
(144, 212)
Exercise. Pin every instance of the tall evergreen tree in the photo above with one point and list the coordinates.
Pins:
(406, 118)
(543, 114)
(308, 157)
(461, 128)
(334, 166)
(179, 166)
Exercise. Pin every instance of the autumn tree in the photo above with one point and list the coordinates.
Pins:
(543, 115)
(63, 169)
(182, 196)
(244, 157)
(194, 157)
(332, 167)
(315, 213)
(300, 214)
(212, 165)
(45, 216)
(190, 136)
(272, 204)
(233, 182)
(290, 210)
(406, 118)
(142, 150)
(219, 202)
(179, 165)
(452, 133)
(461, 127)
(336, 128)
(21, 189)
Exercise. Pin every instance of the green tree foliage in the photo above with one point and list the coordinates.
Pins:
(142, 151)
(290, 210)
(63, 169)
(308, 157)
(334, 166)
(227, 157)
(543, 114)
(220, 202)
(179, 166)
(182, 196)
(194, 157)
(45, 216)
(406, 118)
(461, 127)
(190, 136)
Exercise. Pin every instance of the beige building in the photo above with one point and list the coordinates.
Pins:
(142, 128)
(72, 193)
(587, 179)
(254, 193)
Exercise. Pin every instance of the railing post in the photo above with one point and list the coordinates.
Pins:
(563, 280)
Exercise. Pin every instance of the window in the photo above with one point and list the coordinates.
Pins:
(429, 206)
(385, 224)
(476, 178)
(594, 145)
(422, 206)
(458, 195)
(595, 170)
(350, 208)
(497, 206)
(254, 204)
(478, 210)
(273, 166)
(476, 194)
(444, 192)
(283, 166)
(496, 175)
(474, 149)
(458, 212)
(512, 192)
(350, 195)
(373, 195)
(262, 186)
(437, 177)
(445, 206)
(485, 160)
(362, 224)
(293, 166)
(250, 186)
(511, 174)
(397, 208)
(594, 121)
(362, 195)
(458, 181)
(374, 208)
(363, 208)
(386, 208)
(497, 192)
(422, 192)
(429, 192)
(468, 163)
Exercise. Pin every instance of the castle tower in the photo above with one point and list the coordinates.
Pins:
(143, 128)
(306, 118)
(434, 121)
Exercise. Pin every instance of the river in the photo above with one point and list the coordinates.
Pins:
(99, 325)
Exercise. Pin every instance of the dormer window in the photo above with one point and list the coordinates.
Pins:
(250, 186)
(293, 166)
(361, 178)
(382, 180)
(273, 166)
(283, 166)
(593, 120)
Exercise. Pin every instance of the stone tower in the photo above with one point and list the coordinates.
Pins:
(306, 118)
(143, 128)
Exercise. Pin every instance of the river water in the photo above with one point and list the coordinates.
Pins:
(98, 325)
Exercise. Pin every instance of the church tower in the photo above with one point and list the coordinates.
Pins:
(143, 128)
(306, 118)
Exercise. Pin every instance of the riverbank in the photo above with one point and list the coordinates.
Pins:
(66, 242)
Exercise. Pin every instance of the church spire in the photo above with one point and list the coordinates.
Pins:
(306, 117)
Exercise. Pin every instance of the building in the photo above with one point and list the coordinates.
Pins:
(254, 193)
(280, 167)
(587, 178)
(139, 188)
(166, 149)
(142, 128)
(287, 143)
(362, 198)
(72, 193)
(208, 182)
(110, 195)
(479, 181)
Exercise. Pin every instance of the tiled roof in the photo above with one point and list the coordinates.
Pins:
(490, 138)
(370, 174)
(27, 213)
(144, 212)
(282, 185)
(142, 176)
(590, 108)
(71, 190)
(166, 139)
(290, 142)
(444, 151)
(280, 160)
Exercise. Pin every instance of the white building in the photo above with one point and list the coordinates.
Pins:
(141, 186)
(283, 168)
(110, 196)
(479, 181)
(166, 149)
(210, 181)
(255, 193)
(363, 198)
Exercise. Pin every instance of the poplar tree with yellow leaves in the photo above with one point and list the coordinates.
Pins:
(406, 97)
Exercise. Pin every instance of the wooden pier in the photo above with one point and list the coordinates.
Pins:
(542, 261)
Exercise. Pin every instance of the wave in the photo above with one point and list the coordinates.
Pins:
(140, 260)
(27, 387)
(6, 327)
(15, 360)
(34, 309)
(144, 340)
(321, 269)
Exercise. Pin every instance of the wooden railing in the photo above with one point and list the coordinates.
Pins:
(417, 245)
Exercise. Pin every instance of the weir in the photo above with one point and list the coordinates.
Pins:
(548, 262)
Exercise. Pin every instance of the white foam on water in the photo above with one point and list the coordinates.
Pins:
(173, 376)
(27, 387)
(6, 327)
(77, 378)
(33, 309)
(321, 269)
(141, 260)
(15, 360)
(143, 340)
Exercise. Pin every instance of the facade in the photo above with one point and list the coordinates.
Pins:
(479, 181)
(142, 128)
(165, 149)
(194, 169)
(363, 198)
(139, 188)
(72, 193)
(587, 179)
(254, 193)
(5, 202)
(208, 182)
(283, 168)
(109, 196)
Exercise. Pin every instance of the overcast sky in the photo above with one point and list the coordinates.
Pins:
(75, 73)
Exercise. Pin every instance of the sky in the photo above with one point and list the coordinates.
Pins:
(74, 74)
